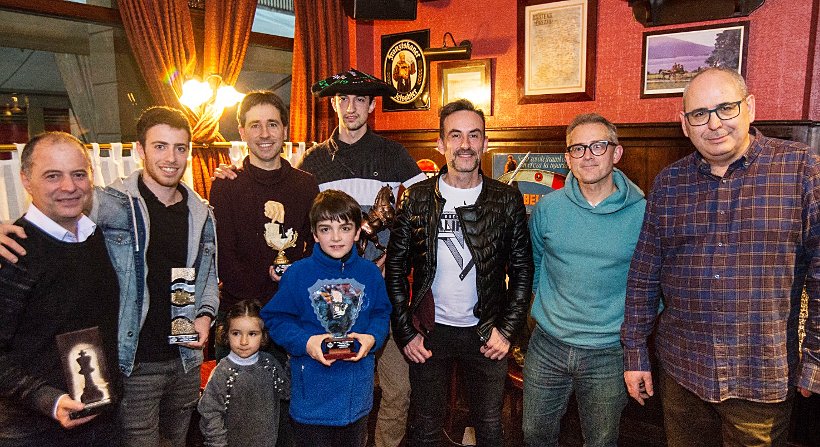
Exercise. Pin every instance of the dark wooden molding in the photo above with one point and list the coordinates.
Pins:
(65, 10)
(648, 147)
(111, 16)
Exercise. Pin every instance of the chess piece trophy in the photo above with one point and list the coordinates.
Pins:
(276, 237)
(85, 369)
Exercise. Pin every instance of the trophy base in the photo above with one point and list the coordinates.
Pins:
(279, 269)
(90, 408)
(339, 348)
(182, 339)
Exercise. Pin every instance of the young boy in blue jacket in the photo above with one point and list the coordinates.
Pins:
(330, 398)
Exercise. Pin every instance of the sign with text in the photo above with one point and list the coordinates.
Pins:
(539, 174)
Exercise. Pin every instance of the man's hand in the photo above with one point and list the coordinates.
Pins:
(314, 349)
(203, 328)
(67, 405)
(224, 172)
(639, 385)
(415, 350)
(496, 347)
(366, 341)
(9, 248)
(804, 392)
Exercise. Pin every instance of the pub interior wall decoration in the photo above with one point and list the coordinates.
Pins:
(556, 50)
(470, 79)
(404, 67)
(671, 58)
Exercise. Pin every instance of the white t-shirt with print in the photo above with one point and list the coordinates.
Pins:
(454, 285)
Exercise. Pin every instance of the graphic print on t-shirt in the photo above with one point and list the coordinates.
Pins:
(449, 232)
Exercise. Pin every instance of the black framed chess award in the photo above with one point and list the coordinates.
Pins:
(85, 369)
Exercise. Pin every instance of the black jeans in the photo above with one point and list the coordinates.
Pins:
(430, 384)
(352, 435)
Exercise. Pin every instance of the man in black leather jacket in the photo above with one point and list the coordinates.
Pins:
(461, 234)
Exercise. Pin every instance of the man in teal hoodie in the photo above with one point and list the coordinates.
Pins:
(583, 237)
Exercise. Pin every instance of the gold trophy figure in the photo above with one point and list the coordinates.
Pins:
(276, 237)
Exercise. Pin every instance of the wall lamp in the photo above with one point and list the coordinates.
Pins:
(211, 91)
(455, 52)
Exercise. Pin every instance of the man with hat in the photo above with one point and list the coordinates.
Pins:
(359, 162)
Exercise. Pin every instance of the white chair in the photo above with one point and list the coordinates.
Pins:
(130, 163)
(14, 200)
(106, 169)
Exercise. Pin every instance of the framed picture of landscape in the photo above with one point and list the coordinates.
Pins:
(672, 57)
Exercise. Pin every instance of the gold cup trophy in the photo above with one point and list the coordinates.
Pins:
(276, 237)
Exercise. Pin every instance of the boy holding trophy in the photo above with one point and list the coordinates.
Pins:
(345, 316)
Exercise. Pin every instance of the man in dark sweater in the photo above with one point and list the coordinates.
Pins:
(265, 181)
(65, 283)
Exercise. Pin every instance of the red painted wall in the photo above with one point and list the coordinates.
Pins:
(781, 60)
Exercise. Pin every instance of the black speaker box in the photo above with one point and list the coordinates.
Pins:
(381, 9)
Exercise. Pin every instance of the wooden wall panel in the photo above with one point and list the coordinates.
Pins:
(648, 148)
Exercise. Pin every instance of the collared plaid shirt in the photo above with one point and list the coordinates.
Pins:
(729, 257)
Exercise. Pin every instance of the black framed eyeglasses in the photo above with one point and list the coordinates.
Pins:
(724, 111)
(597, 148)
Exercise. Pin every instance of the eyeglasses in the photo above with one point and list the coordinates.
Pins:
(725, 111)
(597, 148)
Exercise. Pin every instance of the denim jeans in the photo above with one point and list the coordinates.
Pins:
(430, 384)
(552, 371)
(352, 435)
(689, 420)
(157, 403)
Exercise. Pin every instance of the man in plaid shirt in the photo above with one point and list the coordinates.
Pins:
(730, 236)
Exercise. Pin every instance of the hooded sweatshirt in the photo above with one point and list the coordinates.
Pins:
(582, 255)
(342, 393)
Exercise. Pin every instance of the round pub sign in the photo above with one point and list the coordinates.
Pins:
(405, 67)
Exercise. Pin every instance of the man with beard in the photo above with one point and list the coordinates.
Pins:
(170, 227)
(461, 234)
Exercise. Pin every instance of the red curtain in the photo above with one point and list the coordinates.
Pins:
(162, 39)
(227, 28)
(317, 53)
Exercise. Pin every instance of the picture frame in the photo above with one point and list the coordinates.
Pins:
(470, 79)
(556, 50)
(673, 57)
(405, 67)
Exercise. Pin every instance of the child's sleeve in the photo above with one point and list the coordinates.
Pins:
(283, 313)
(380, 317)
(212, 409)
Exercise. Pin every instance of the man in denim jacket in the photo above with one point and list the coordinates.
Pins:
(161, 381)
